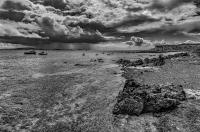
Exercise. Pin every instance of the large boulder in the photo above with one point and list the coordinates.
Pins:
(136, 98)
(157, 103)
(130, 106)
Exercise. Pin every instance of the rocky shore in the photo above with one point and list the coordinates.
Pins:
(158, 61)
(163, 99)
(136, 98)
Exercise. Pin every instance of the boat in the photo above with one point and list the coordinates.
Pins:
(43, 53)
(31, 52)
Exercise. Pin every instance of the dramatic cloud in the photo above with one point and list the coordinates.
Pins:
(93, 20)
(167, 4)
(8, 31)
(10, 28)
(56, 30)
(52, 28)
(138, 41)
(59, 4)
(16, 4)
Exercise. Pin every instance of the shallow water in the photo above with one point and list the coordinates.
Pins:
(43, 92)
(49, 93)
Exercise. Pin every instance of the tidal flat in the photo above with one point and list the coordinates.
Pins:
(72, 91)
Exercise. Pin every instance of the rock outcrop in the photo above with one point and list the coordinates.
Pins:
(136, 98)
(158, 61)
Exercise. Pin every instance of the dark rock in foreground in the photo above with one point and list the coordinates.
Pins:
(136, 98)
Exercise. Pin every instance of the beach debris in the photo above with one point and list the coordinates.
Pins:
(81, 65)
(100, 60)
(136, 98)
(93, 60)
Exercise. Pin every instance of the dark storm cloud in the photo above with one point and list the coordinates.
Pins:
(56, 30)
(167, 4)
(91, 25)
(188, 27)
(136, 19)
(16, 4)
(52, 28)
(58, 4)
(12, 15)
(181, 31)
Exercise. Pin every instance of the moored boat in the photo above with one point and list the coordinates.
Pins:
(31, 52)
(43, 53)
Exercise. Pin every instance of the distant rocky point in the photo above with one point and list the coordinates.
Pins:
(178, 47)
(157, 61)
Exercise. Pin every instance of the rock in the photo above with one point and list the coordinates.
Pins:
(124, 62)
(93, 60)
(137, 62)
(174, 92)
(131, 84)
(159, 61)
(136, 98)
(146, 61)
(130, 106)
(158, 103)
(81, 65)
(100, 60)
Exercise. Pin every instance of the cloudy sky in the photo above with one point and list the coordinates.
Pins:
(100, 20)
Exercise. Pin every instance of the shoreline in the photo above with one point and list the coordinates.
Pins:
(78, 93)
(171, 118)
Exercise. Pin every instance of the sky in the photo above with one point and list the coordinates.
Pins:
(100, 20)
